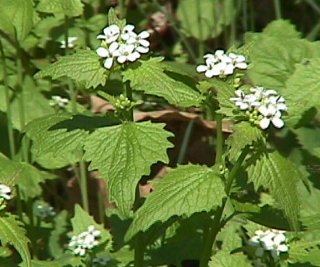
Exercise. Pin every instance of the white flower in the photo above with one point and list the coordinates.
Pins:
(71, 42)
(44, 211)
(5, 192)
(241, 100)
(267, 103)
(270, 240)
(122, 45)
(100, 261)
(108, 54)
(126, 53)
(270, 114)
(86, 240)
(140, 42)
(221, 64)
(58, 101)
(111, 34)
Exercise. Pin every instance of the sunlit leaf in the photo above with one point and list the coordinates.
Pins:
(179, 193)
(123, 154)
(70, 8)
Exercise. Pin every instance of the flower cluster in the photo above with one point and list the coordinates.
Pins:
(79, 244)
(100, 261)
(5, 192)
(58, 101)
(124, 44)
(71, 42)
(44, 211)
(263, 106)
(221, 64)
(273, 241)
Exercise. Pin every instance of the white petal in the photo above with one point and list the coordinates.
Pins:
(133, 57)
(144, 43)
(122, 59)
(228, 69)
(240, 58)
(277, 122)
(219, 53)
(102, 52)
(202, 68)
(263, 110)
(279, 238)
(108, 63)
(241, 65)
(142, 49)
(264, 123)
(128, 28)
(144, 34)
(113, 47)
(101, 36)
(282, 248)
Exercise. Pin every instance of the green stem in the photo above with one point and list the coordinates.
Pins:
(84, 186)
(185, 142)
(8, 106)
(252, 17)
(128, 91)
(245, 15)
(277, 9)
(217, 221)
(139, 250)
(220, 139)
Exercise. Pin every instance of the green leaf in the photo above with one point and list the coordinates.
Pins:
(282, 28)
(70, 8)
(64, 261)
(34, 103)
(230, 237)
(302, 89)
(82, 220)
(224, 92)
(12, 232)
(273, 59)
(123, 154)
(82, 66)
(181, 192)
(25, 175)
(20, 14)
(244, 133)
(272, 171)
(214, 16)
(224, 259)
(306, 249)
(113, 19)
(150, 76)
(61, 136)
(55, 245)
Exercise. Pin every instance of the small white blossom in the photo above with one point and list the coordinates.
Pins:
(221, 64)
(273, 241)
(58, 101)
(122, 45)
(126, 53)
(5, 192)
(265, 106)
(71, 42)
(86, 240)
(111, 34)
(100, 261)
(44, 211)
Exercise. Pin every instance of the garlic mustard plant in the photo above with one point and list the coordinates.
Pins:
(5, 192)
(85, 241)
(220, 64)
(269, 241)
(123, 45)
(72, 40)
(58, 101)
(263, 107)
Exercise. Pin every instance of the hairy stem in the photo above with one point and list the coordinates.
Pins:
(185, 143)
(217, 221)
(220, 141)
